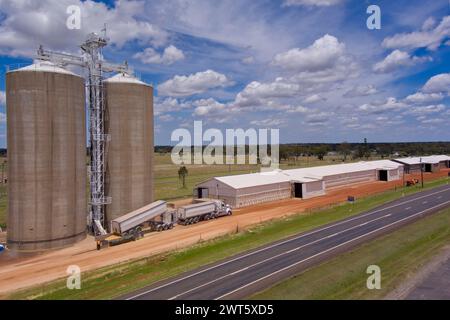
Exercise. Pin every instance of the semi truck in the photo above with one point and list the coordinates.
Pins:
(157, 216)
(203, 210)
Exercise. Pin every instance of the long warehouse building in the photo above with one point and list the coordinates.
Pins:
(429, 163)
(249, 189)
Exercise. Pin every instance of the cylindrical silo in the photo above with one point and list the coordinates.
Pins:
(46, 157)
(129, 158)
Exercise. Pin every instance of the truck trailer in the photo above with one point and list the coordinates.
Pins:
(158, 217)
(153, 217)
(204, 210)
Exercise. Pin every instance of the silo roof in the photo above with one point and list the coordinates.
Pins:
(45, 66)
(125, 78)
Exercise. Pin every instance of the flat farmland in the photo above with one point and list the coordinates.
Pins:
(168, 185)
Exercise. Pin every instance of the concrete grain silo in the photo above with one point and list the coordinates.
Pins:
(129, 159)
(46, 157)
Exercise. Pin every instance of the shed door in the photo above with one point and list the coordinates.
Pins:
(203, 193)
(298, 190)
(383, 175)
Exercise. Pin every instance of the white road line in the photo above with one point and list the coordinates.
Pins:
(409, 208)
(328, 250)
(283, 242)
(424, 202)
(276, 256)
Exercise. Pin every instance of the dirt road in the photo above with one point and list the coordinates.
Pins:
(21, 271)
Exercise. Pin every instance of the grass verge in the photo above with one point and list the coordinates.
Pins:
(399, 255)
(119, 279)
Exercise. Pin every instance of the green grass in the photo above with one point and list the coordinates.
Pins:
(399, 255)
(119, 279)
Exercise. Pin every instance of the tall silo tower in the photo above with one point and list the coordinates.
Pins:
(46, 157)
(129, 159)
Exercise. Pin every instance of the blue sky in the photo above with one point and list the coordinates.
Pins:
(310, 68)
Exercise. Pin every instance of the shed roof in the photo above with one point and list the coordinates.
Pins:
(427, 159)
(331, 170)
(304, 175)
(254, 179)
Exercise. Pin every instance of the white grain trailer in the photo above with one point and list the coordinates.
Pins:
(135, 221)
(155, 217)
(204, 210)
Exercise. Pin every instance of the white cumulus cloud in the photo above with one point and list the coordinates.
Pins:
(167, 105)
(183, 86)
(314, 98)
(425, 110)
(207, 107)
(256, 92)
(272, 122)
(325, 61)
(438, 83)
(170, 55)
(397, 59)
(310, 3)
(322, 54)
(420, 97)
(391, 104)
(27, 24)
(361, 91)
(429, 37)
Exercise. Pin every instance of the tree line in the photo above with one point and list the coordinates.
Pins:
(348, 150)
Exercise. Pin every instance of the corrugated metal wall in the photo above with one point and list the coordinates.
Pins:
(129, 121)
(46, 159)
(313, 189)
(350, 178)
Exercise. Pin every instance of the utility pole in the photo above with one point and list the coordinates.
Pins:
(421, 171)
(3, 171)
(403, 176)
(93, 61)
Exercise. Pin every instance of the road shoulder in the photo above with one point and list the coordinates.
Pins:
(415, 286)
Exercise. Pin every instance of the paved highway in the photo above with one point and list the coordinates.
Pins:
(239, 276)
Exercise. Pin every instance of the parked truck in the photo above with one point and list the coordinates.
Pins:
(203, 210)
(154, 217)
(157, 216)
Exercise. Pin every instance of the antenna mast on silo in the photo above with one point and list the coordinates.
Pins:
(96, 66)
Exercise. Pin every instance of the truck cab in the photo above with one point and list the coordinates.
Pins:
(225, 209)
